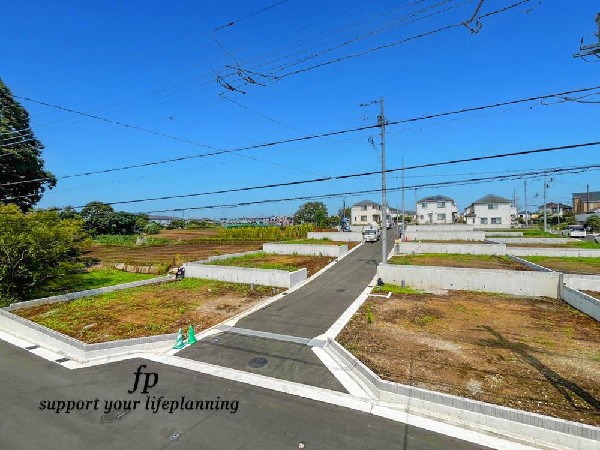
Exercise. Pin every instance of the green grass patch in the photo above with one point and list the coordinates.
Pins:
(395, 289)
(128, 240)
(88, 280)
(594, 262)
(323, 241)
(254, 261)
(419, 259)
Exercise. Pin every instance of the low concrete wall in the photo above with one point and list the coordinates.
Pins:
(548, 432)
(434, 247)
(487, 280)
(419, 234)
(529, 264)
(306, 249)
(88, 293)
(582, 282)
(336, 236)
(441, 227)
(533, 240)
(75, 349)
(231, 255)
(264, 277)
(554, 252)
(503, 233)
(583, 302)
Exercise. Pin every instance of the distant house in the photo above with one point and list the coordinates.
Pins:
(366, 212)
(584, 202)
(556, 208)
(162, 220)
(490, 211)
(437, 210)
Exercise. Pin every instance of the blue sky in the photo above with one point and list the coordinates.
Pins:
(154, 65)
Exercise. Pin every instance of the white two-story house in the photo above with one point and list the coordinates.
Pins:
(490, 211)
(436, 209)
(366, 212)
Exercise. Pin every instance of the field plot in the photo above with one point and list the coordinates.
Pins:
(148, 310)
(456, 260)
(578, 244)
(534, 354)
(350, 245)
(589, 266)
(291, 263)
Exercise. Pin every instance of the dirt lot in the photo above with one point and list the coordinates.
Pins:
(166, 254)
(283, 262)
(538, 354)
(589, 266)
(184, 235)
(455, 260)
(148, 311)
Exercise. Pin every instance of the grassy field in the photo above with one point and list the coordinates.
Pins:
(534, 354)
(458, 260)
(147, 310)
(576, 244)
(568, 264)
(91, 279)
(291, 263)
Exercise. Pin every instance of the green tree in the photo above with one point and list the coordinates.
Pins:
(23, 178)
(98, 218)
(34, 248)
(593, 222)
(312, 212)
(152, 228)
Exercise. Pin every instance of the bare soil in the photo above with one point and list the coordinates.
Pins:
(456, 260)
(534, 354)
(312, 263)
(185, 235)
(148, 311)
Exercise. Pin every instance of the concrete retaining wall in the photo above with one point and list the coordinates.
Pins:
(231, 255)
(503, 233)
(555, 252)
(486, 280)
(441, 227)
(75, 349)
(533, 240)
(434, 247)
(336, 236)
(88, 293)
(264, 277)
(583, 302)
(419, 235)
(582, 282)
(306, 249)
(505, 421)
(529, 264)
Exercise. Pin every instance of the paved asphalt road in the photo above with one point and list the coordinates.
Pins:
(264, 419)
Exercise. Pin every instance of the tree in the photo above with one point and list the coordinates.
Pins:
(594, 223)
(21, 156)
(34, 248)
(98, 217)
(312, 212)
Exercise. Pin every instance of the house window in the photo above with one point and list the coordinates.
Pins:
(421, 217)
(363, 218)
(497, 220)
(483, 221)
(441, 204)
(424, 205)
(363, 207)
(492, 205)
(441, 217)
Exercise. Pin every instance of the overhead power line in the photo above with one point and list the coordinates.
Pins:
(554, 171)
(316, 136)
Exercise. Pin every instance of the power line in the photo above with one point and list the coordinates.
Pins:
(233, 22)
(356, 175)
(315, 136)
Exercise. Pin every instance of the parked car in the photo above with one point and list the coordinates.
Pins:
(577, 232)
(597, 239)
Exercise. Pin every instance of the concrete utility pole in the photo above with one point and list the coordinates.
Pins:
(382, 124)
(545, 221)
(526, 214)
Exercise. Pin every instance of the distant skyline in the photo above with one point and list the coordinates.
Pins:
(176, 74)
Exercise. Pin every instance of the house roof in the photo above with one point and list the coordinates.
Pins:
(594, 196)
(436, 198)
(491, 198)
(556, 205)
(364, 203)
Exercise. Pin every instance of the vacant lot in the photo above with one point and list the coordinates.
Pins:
(535, 354)
(350, 245)
(577, 244)
(290, 263)
(456, 260)
(147, 311)
(589, 266)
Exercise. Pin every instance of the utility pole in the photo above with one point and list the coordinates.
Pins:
(587, 206)
(526, 213)
(545, 221)
(403, 205)
(382, 124)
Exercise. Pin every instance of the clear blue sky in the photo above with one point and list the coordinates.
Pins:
(153, 64)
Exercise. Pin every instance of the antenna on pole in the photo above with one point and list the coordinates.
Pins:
(591, 49)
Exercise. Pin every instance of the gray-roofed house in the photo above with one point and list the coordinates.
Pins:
(490, 211)
(584, 202)
(436, 209)
(366, 212)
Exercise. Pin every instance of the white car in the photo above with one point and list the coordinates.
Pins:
(597, 239)
(371, 235)
(577, 232)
